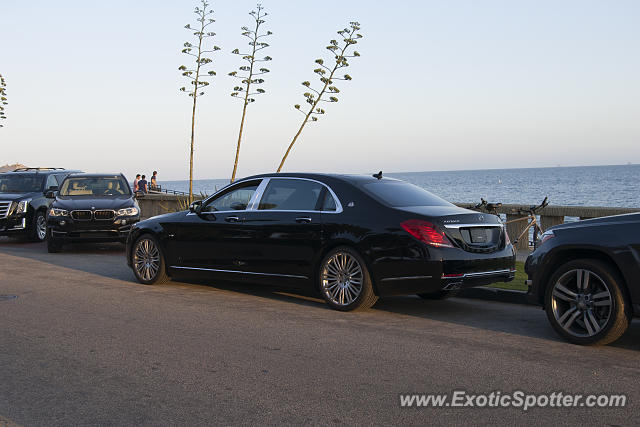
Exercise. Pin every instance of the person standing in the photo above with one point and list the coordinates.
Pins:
(154, 181)
(142, 185)
(135, 184)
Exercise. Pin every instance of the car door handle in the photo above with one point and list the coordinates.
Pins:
(303, 219)
(232, 219)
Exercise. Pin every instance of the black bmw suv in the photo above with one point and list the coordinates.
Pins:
(91, 208)
(23, 205)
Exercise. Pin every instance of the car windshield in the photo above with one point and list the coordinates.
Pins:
(20, 183)
(101, 186)
(402, 194)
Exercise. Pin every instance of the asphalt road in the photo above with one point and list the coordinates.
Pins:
(83, 344)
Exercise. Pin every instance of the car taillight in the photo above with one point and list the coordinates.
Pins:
(426, 233)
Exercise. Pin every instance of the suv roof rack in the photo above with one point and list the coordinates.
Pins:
(36, 169)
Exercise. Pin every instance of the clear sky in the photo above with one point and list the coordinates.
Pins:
(440, 85)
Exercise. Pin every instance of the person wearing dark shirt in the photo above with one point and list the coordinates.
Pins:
(142, 185)
(154, 181)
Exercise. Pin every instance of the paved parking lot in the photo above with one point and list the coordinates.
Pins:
(84, 344)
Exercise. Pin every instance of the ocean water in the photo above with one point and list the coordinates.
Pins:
(614, 186)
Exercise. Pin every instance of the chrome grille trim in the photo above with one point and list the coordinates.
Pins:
(5, 205)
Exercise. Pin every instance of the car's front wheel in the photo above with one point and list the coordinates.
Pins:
(37, 232)
(345, 282)
(147, 260)
(585, 303)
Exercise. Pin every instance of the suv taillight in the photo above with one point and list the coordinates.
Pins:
(426, 233)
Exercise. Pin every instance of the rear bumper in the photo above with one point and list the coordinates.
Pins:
(429, 284)
(444, 269)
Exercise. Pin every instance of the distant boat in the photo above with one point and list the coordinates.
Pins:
(499, 181)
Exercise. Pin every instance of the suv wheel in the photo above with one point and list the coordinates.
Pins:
(345, 282)
(37, 231)
(585, 303)
(147, 260)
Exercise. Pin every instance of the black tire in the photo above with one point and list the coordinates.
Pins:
(353, 290)
(441, 294)
(53, 245)
(590, 308)
(34, 232)
(147, 261)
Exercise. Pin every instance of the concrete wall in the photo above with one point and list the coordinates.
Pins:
(158, 204)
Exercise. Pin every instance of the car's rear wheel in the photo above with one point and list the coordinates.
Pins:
(585, 303)
(442, 294)
(37, 232)
(345, 282)
(147, 260)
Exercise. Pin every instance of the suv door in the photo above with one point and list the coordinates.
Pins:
(215, 239)
(286, 229)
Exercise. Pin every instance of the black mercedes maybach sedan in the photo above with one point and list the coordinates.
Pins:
(354, 238)
(586, 275)
(91, 208)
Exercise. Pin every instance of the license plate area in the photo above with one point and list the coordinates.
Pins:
(481, 237)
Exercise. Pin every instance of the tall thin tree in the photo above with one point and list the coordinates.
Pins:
(197, 75)
(249, 73)
(327, 75)
(3, 98)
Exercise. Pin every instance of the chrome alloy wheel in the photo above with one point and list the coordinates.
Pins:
(342, 278)
(146, 259)
(41, 226)
(581, 302)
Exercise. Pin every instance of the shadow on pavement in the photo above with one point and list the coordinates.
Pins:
(107, 260)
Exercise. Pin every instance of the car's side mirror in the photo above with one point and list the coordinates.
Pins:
(53, 188)
(195, 207)
(50, 194)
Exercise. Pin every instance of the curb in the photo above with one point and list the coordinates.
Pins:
(495, 294)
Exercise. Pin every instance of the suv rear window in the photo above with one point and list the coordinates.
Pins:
(401, 194)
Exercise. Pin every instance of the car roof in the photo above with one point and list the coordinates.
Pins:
(96, 175)
(358, 179)
(40, 171)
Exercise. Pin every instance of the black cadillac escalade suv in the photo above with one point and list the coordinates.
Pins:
(23, 205)
(91, 208)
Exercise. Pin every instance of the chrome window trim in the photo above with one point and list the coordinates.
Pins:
(255, 199)
(239, 272)
(249, 205)
(333, 194)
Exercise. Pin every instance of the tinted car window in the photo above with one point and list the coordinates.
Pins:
(237, 199)
(400, 193)
(20, 183)
(94, 186)
(51, 182)
(329, 203)
(291, 195)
